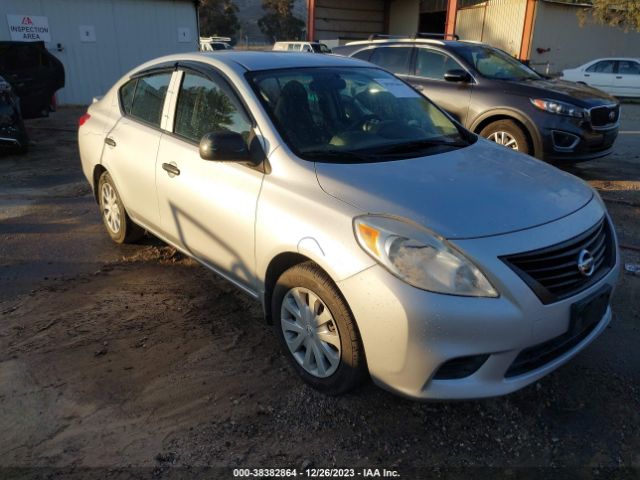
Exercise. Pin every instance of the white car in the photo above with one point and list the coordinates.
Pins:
(616, 76)
(311, 47)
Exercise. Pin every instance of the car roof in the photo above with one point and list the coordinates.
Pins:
(267, 60)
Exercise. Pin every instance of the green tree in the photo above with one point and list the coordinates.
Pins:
(619, 13)
(278, 22)
(218, 17)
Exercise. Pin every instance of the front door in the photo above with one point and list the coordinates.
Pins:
(627, 81)
(208, 207)
(600, 75)
(430, 67)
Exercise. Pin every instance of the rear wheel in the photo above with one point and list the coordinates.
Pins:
(508, 134)
(317, 330)
(118, 224)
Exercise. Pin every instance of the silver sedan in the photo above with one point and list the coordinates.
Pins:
(382, 239)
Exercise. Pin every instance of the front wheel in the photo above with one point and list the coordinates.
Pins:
(508, 134)
(317, 330)
(118, 224)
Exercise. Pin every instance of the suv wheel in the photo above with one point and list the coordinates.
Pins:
(317, 330)
(118, 224)
(506, 133)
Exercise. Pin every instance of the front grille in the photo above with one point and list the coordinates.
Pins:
(605, 116)
(552, 272)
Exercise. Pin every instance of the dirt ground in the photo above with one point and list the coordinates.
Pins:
(134, 362)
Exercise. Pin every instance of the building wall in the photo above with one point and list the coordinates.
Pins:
(127, 33)
(404, 17)
(348, 20)
(496, 22)
(557, 28)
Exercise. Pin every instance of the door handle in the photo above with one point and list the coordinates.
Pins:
(110, 141)
(618, 77)
(587, 75)
(171, 169)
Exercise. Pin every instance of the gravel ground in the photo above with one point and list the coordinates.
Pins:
(134, 362)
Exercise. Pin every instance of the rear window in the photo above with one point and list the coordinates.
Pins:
(126, 95)
(16, 57)
(363, 54)
(394, 59)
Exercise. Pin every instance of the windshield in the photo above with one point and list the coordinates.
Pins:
(496, 64)
(354, 114)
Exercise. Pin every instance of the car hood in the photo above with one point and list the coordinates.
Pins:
(477, 191)
(581, 95)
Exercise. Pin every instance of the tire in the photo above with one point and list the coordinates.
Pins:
(505, 131)
(333, 322)
(114, 216)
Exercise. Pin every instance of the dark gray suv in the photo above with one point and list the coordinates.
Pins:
(500, 98)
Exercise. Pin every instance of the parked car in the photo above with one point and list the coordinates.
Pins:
(311, 47)
(616, 76)
(34, 73)
(12, 131)
(380, 236)
(500, 98)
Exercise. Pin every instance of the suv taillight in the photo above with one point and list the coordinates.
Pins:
(83, 119)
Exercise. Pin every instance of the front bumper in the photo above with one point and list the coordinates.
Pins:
(408, 334)
(573, 140)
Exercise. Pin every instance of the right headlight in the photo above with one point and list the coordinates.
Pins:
(420, 257)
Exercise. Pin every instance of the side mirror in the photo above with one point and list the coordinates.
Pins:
(224, 146)
(457, 75)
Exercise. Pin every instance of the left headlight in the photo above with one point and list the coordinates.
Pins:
(559, 108)
(420, 257)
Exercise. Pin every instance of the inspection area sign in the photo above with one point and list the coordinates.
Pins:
(29, 28)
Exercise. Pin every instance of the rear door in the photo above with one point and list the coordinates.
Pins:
(600, 75)
(131, 146)
(208, 207)
(428, 77)
(627, 80)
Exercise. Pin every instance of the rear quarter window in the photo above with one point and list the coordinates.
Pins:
(148, 98)
(126, 95)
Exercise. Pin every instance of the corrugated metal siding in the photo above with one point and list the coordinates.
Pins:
(557, 28)
(469, 23)
(340, 19)
(496, 22)
(128, 32)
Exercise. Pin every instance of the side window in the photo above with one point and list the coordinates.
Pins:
(363, 54)
(293, 47)
(203, 107)
(394, 59)
(148, 98)
(126, 95)
(606, 66)
(432, 64)
(626, 67)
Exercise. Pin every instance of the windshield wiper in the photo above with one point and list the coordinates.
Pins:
(337, 155)
(418, 144)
